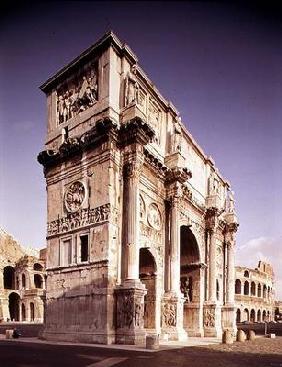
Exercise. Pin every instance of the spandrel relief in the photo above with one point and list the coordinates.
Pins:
(77, 95)
(154, 216)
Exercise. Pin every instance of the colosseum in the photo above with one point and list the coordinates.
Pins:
(22, 281)
(254, 293)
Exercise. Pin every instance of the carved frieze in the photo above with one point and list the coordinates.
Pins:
(77, 94)
(74, 196)
(80, 218)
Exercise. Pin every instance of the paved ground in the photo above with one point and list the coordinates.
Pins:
(262, 352)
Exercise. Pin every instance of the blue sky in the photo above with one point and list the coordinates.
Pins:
(221, 66)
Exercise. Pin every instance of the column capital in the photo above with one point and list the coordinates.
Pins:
(229, 233)
(178, 174)
(135, 131)
(211, 218)
(133, 168)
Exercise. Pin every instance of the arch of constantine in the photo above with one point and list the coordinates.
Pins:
(141, 224)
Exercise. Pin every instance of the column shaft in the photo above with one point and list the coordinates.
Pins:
(212, 267)
(230, 274)
(174, 249)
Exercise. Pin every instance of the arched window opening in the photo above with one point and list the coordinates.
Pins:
(253, 289)
(259, 316)
(238, 286)
(9, 277)
(23, 281)
(31, 311)
(246, 288)
(259, 290)
(38, 282)
(252, 316)
(264, 291)
(238, 315)
(246, 274)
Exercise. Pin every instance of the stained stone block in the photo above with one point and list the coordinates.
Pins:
(241, 336)
(251, 335)
(227, 337)
(152, 342)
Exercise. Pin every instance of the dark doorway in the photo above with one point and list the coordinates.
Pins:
(31, 311)
(23, 313)
(14, 306)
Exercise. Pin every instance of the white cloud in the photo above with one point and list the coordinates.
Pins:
(268, 249)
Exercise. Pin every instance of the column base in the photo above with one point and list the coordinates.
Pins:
(212, 320)
(172, 317)
(130, 313)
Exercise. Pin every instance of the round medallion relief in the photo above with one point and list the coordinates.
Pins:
(74, 196)
(154, 216)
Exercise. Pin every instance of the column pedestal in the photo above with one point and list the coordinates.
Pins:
(228, 315)
(172, 317)
(212, 320)
(130, 313)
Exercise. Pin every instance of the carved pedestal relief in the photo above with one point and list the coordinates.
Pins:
(209, 318)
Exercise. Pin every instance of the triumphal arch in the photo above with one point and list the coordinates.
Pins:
(141, 225)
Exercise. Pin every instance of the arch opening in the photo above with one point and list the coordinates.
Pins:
(14, 306)
(238, 286)
(9, 277)
(38, 281)
(246, 288)
(147, 275)
(31, 311)
(238, 315)
(252, 316)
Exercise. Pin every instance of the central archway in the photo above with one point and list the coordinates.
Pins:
(190, 273)
(147, 275)
(14, 306)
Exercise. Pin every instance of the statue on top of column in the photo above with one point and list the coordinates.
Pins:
(130, 92)
(177, 135)
(231, 206)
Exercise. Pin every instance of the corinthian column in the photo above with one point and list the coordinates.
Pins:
(211, 220)
(132, 171)
(212, 266)
(230, 281)
(174, 248)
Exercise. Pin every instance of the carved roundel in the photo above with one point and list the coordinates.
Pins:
(74, 196)
(154, 216)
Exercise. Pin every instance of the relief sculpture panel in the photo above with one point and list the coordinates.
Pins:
(78, 94)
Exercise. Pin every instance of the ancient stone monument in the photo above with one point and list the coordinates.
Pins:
(141, 225)
(22, 281)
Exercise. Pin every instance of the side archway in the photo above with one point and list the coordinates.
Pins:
(147, 275)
